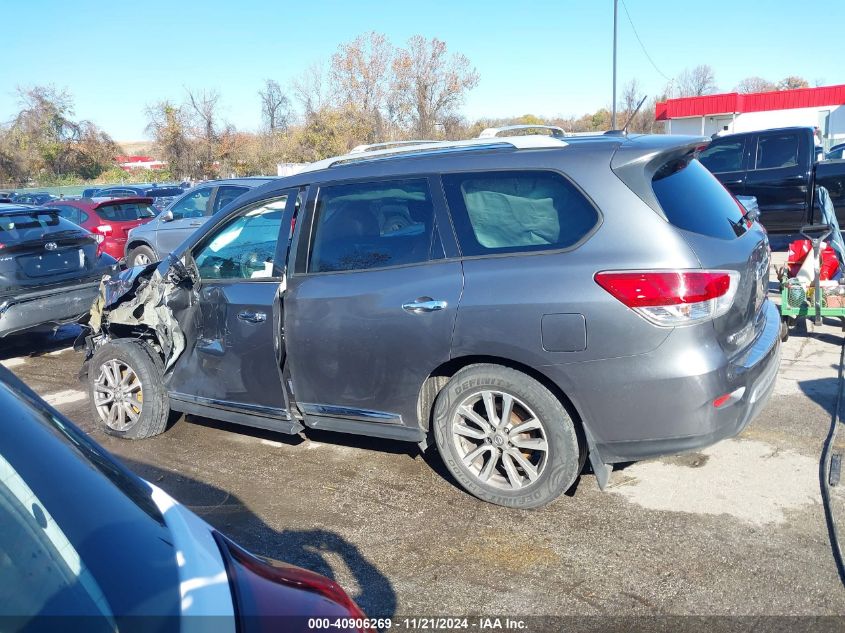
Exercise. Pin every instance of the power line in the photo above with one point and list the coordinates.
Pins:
(642, 46)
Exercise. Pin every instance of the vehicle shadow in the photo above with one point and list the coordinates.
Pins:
(365, 442)
(313, 549)
(38, 343)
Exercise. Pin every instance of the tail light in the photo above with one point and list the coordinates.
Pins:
(103, 229)
(673, 298)
(268, 594)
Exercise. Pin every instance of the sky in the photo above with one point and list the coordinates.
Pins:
(542, 57)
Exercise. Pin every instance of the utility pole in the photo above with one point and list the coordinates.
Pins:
(613, 107)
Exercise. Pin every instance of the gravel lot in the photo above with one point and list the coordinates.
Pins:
(736, 529)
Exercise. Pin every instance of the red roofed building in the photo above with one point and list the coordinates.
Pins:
(734, 112)
(128, 163)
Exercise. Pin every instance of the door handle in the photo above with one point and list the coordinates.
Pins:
(424, 304)
(196, 224)
(252, 317)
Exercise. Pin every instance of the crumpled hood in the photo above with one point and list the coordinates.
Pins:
(146, 296)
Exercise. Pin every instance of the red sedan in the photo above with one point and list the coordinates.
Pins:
(110, 220)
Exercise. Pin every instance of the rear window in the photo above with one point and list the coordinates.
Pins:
(28, 226)
(126, 212)
(694, 200)
(163, 192)
(517, 211)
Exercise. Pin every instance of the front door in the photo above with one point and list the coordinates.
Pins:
(371, 309)
(233, 362)
(189, 213)
(778, 176)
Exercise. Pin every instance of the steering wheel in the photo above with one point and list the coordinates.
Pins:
(249, 263)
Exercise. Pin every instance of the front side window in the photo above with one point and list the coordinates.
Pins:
(775, 151)
(244, 247)
(517, 211)
(192, 205)
(366, 225)
(724, 156)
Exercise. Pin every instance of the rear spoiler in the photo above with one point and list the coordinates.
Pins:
(128, 199)
(636, 162)
(31, 211)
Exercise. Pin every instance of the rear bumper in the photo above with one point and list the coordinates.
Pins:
(663, 402)
(64, 305)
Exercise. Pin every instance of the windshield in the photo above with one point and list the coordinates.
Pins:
(65, 529)
(163, 192)
(694, 200)
(32, 225)
(126, 212)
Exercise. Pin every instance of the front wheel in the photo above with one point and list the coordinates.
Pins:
(126, 391)
(141, 256)
(505, 437)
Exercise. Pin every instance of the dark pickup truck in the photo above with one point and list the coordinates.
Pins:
(781, 168)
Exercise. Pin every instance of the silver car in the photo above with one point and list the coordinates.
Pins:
(155, 240)
(523, 303)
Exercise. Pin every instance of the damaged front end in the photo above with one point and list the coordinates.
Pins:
(145, 303)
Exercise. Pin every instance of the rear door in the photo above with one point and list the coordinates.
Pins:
(189, 213)
(779, 176)
(727, 159)
(233, 364)
(370, 310)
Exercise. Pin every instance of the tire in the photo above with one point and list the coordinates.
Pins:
(152, 409)
(458, 437)
(784, 330)
(141, 252)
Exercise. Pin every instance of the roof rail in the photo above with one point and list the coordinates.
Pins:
(374, 146)
(493, 132)
(534, 141)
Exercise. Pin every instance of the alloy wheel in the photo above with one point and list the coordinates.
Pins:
(500, 440)
(142, 259)
(118, 395)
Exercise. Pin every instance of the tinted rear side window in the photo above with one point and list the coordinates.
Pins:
(695, 201)
(517, 211)
(126, 212)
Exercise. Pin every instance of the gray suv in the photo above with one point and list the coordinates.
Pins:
(154, 240)
(525, 304)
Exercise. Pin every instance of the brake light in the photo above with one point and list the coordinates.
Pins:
(264, 590)
(103, 229)
(673, 298)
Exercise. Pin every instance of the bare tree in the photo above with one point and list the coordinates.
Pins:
(203, 108)
(360, 73)
(431, 84)
(275, 106)
(696, 82)
(755, 84)
(309, 89)
(793, 82)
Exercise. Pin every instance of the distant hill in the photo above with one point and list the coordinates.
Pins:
(137, 148)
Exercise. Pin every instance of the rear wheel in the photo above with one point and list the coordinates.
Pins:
(141, 256)
(505, 437)
(126, 391)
